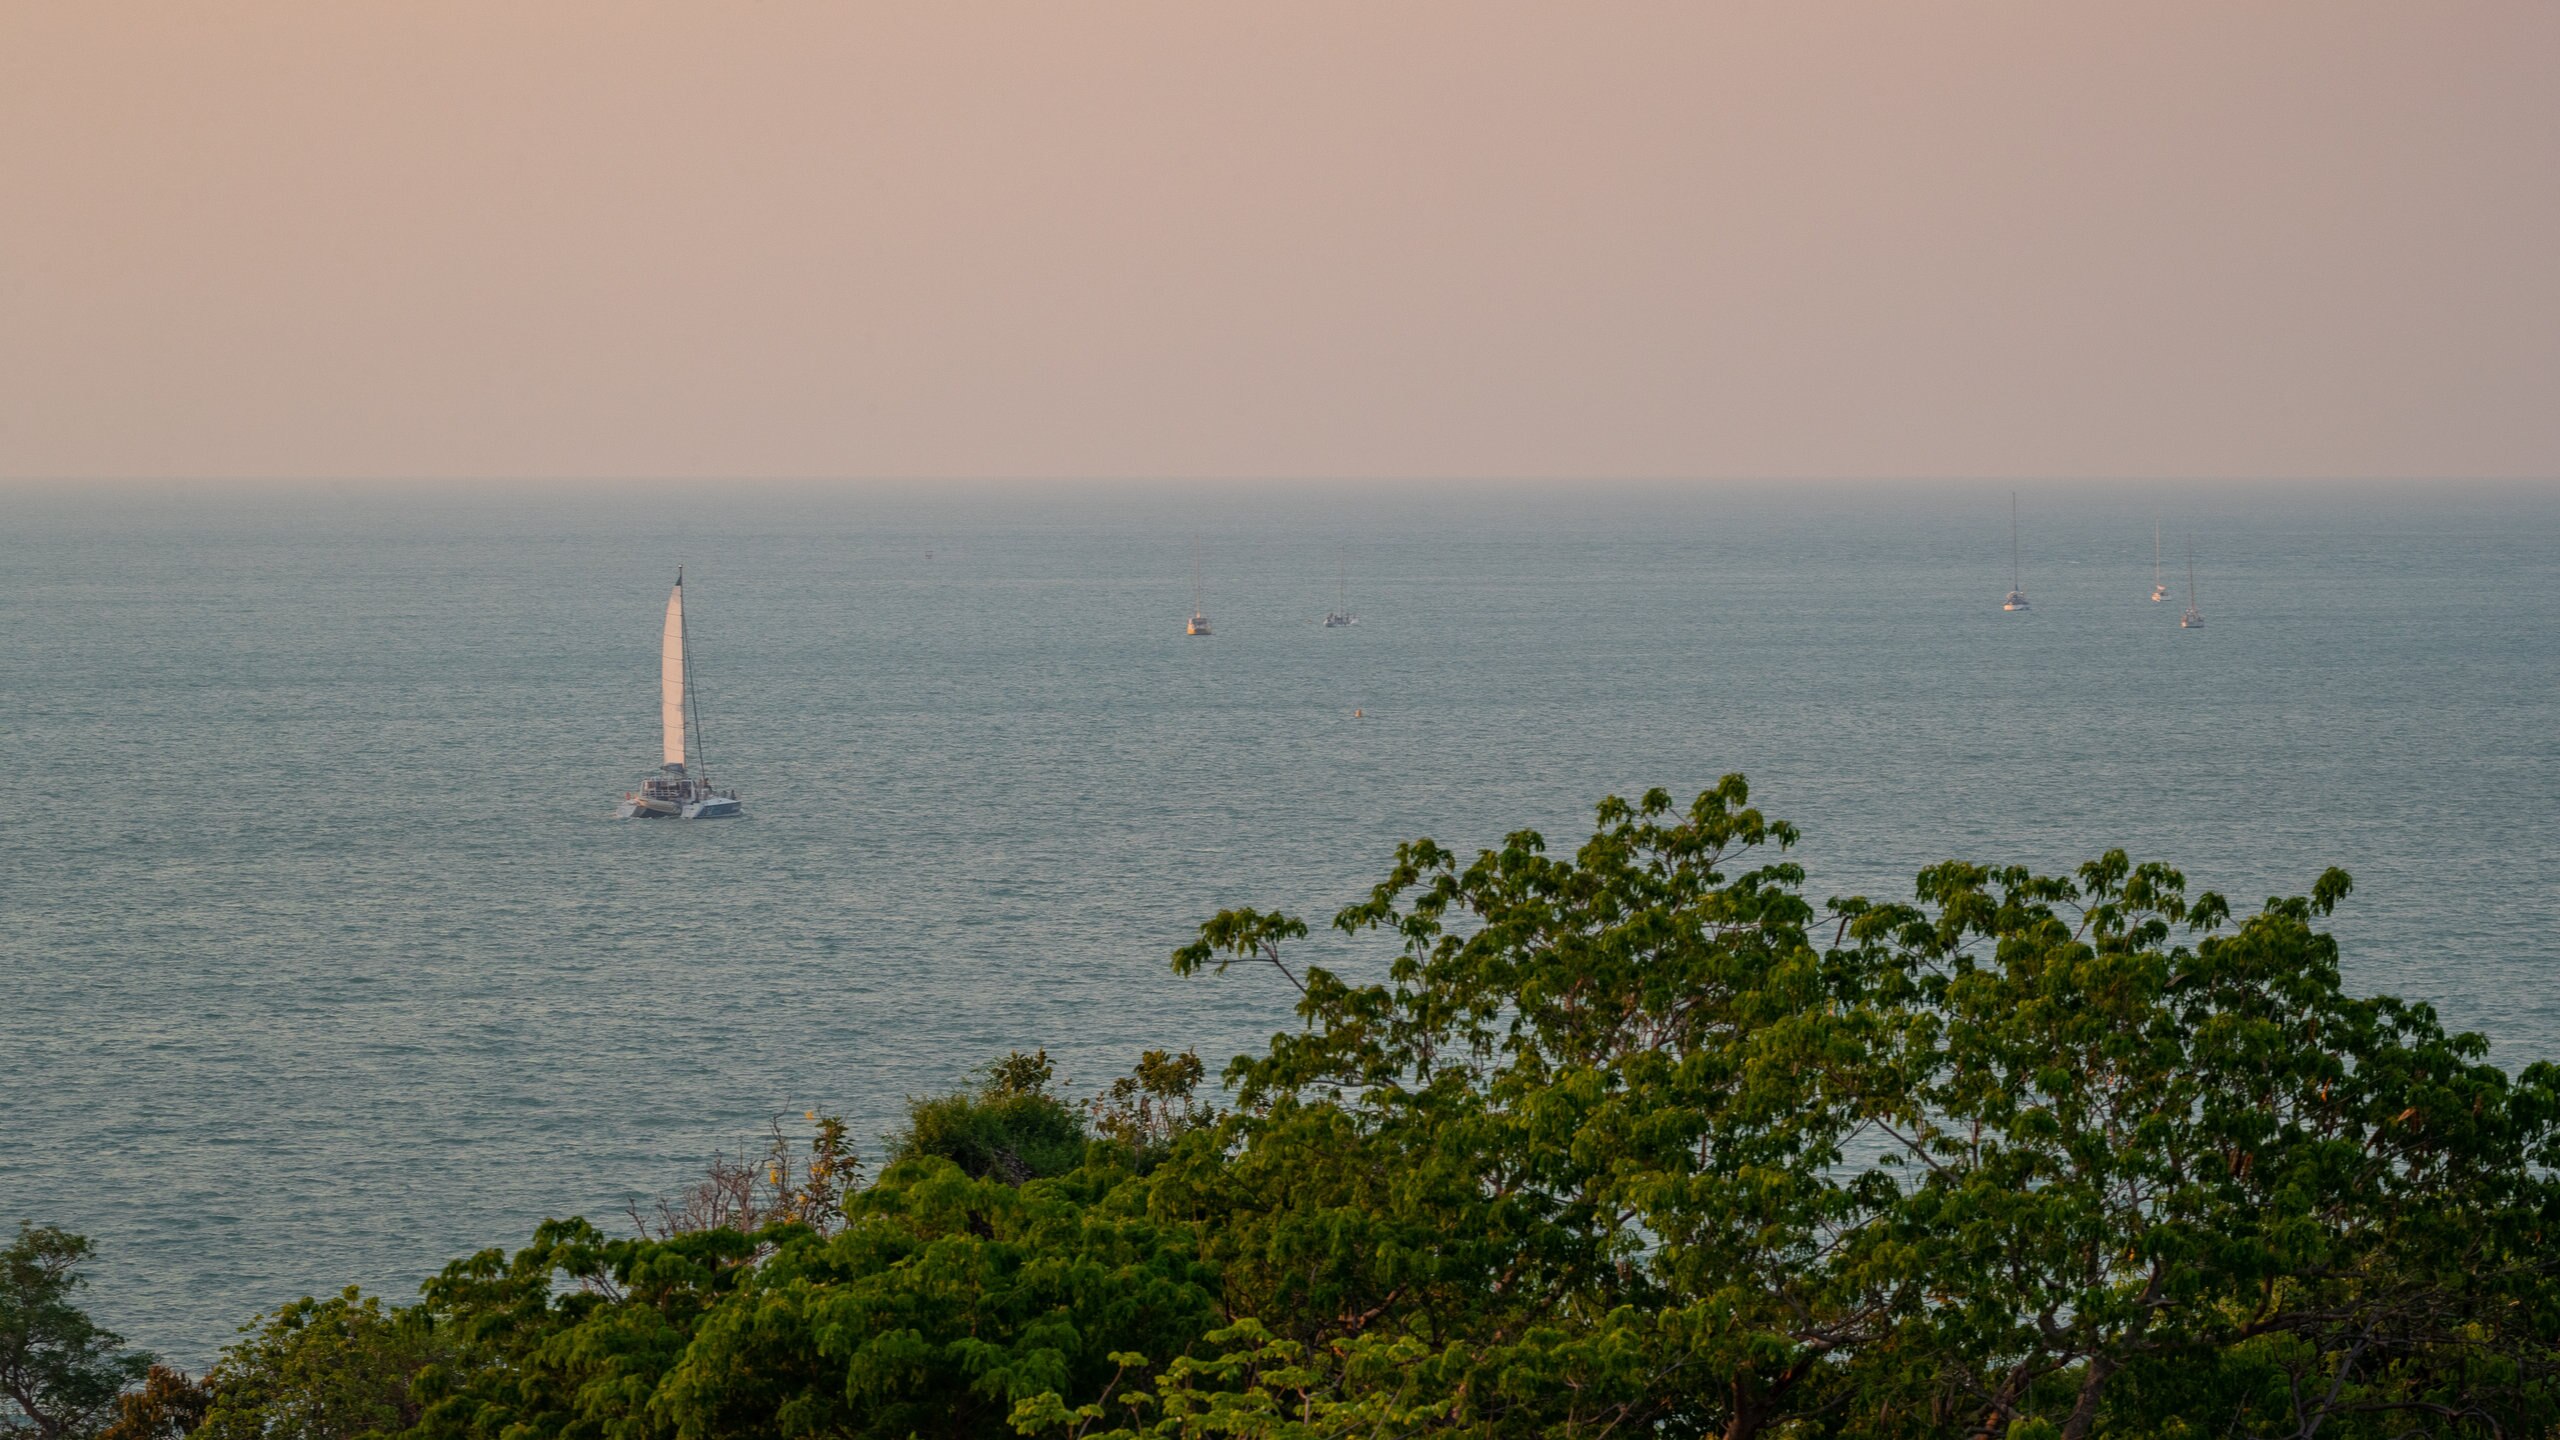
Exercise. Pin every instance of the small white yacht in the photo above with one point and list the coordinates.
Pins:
(1198, 624)
(676, 791)
(2159, 592)
(2017, 597)
(1341, 615)
(2194, 618)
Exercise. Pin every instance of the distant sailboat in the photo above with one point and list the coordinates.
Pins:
(2158, 591)
(1342, 615)
(2017, 599)
(2194, 618)
(676, 792)
(1199, 624)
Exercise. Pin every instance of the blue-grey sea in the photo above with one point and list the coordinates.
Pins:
(322, 961)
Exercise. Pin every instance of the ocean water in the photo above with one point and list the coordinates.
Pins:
(322, 963)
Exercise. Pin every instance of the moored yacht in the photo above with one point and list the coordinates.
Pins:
(1341, 614)
(1199, 621)
(2194, 618)
(2017, 597)
(678, 791)
(2159, 591)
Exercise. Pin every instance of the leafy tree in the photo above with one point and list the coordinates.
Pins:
(947, 1300)
(1011, 1127)
(929, 1302)
(1588, 1129)
(942, 1301)
(60, 1372)
(1614, 1145)
(334, 1369)
(1155, 1104)
(2154, 1184)
(571, 1335)
(169, 1404)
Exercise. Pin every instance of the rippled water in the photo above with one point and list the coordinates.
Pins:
(322, 962)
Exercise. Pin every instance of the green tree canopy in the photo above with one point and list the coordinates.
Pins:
(60, 1372)
(1630, 1140)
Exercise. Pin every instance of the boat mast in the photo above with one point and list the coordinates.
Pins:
(692, 692)
(2191, 574)
(1196, 594)
(2013, 541)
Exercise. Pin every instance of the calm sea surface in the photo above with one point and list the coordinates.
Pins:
(321, 961)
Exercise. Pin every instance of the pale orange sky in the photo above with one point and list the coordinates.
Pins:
(1300, 237)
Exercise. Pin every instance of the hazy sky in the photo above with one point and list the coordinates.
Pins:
(1295, 237)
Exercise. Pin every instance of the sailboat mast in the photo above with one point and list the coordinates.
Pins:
(692, 691)
(2155, 554)
(2013, 540)
(2191, 572)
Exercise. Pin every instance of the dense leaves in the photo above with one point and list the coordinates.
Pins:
(1631, 1140)
(321, 1369)
(1010, 1127)
(2155, 1183)
(60, 1373)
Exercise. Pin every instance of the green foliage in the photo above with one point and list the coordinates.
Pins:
(942, 1301)
(572, 1335)
(1145, 1111)
(947, 1300)
(1632, 1141)
(333, 1369)
(60, 1372)
(2149, 1182)
(1010, 1127)
(1253, 1386)
(1618, 1144)
(1020, 1074)
(1588, 1128)
(169, 1403)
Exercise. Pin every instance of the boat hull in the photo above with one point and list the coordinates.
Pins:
(723, 809)
(676, 796)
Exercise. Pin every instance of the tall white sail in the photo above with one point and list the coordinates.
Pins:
(671, 677)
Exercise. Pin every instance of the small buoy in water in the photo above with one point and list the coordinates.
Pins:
(1355, 714)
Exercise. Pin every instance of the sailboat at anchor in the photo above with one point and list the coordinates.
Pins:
(1198, 624)
(678, 792)
(1341, 615)
(2017, 597)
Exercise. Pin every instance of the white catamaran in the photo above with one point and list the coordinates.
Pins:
(675, 792)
